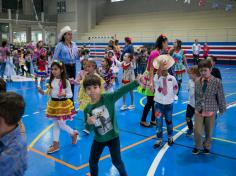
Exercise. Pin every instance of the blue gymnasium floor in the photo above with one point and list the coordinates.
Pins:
(136, 142)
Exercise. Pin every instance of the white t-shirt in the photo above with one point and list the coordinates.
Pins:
(191, 90)
(172, 89)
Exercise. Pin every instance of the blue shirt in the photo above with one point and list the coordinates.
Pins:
(66, 54)
(13, 154)
(127, 49)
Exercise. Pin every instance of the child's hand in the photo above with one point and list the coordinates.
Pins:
(72, 80)
(91, 120)
(40, 91)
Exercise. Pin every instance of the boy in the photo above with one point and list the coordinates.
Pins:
(100, 117)
(194, 74)
(3, 89)
(166, 87)
(209, 98)
(13, 148)
(215, 71)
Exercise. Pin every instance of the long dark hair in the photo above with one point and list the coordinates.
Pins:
(62, 67)
(159, 42)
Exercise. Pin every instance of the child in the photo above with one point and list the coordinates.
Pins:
(83, 98)
(3, 89)
(166, 87)
(41, 73)
(100, 116)
(81, 74)
(193, 75)
(215, 71)
(209, 98)
(22, 63)
(106, 73)
(13, 147)
(128, 76)
(9, 69)
(60, 108)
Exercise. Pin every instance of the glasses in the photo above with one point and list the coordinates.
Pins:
(69, 33)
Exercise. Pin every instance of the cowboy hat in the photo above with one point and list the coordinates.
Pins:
(163, 62)
(64, 30)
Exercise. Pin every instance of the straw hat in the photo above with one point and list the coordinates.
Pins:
(64, 30)
(163, 62)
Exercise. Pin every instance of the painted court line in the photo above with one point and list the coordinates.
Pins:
(30, 147)
(161, 153)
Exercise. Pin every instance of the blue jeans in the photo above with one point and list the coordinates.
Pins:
(2, 68)
(160, 112)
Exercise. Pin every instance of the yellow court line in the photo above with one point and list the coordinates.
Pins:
(39, 136)
(30, 147)
(214, 138)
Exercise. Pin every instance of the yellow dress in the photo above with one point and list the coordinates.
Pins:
(83, 98)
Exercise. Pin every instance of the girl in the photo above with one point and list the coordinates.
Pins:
(180, 62)
(9, 69)
(81, 74)
(22, 63)
(41, 73)
(83, 98)
(194, 74)
(60, 108)
(105, 72)
(128, 76)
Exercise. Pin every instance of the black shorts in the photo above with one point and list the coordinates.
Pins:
(190, 111)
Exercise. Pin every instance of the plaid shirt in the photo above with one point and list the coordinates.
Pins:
(213, 99)
(13, 151)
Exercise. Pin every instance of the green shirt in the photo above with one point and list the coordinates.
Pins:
(106, 127)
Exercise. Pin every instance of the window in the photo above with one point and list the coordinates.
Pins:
(61, 6)
(116, 0)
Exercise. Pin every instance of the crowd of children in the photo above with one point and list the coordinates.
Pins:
(161, 75)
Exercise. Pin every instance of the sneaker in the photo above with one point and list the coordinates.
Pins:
(87, 132)
(157, 144)
(123, 107)
(74, 137)
(144, 124)
(189, 132)
(131, 107)
(176, 98)
(54, 148)
(170, 141)
(195, 151)
(206, 151)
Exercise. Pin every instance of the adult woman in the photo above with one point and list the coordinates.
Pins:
(67, 51)
(128, 48)
(4, 50)
(161, 46)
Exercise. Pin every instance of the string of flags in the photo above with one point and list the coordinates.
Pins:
(215, 4)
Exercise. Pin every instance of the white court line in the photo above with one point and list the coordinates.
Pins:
(185, 102)
(161, 153)
(36, 113)
(163, 150)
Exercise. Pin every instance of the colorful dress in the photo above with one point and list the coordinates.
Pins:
(179, 67)
(60, 108)
(9, 69)
(108, 76)
(128, 72)
(41, 71)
